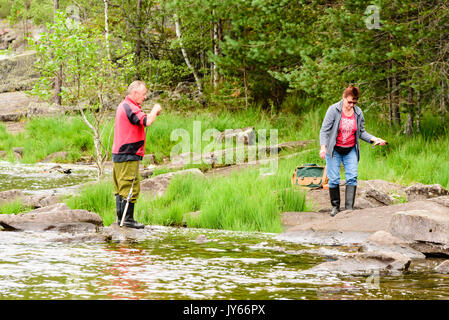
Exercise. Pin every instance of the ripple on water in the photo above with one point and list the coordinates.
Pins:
(171, 265)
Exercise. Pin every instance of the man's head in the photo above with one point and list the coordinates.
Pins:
(137, 91)
(351, 96)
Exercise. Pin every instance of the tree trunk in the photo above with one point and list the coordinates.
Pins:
(396, 109)
(186, 58)
(410, 113)
(106, 29)
(58, 79)
(390, 105)
(138, 39)
(212, 64)
(418, 111)
(443, 101)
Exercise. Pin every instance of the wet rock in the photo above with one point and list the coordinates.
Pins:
(385, 238)
(420, 191)
(443, 267)
(430, 249)
(116, 233)
(366, 263)
(158, 184)
(50, 218)
(382, 241)
(321, 237)
(90, 237)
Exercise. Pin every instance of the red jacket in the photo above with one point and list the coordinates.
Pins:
(129, 135)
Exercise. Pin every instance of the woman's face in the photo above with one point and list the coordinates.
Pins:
(349, 102)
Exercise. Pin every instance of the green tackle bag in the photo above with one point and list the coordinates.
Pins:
(309, 175)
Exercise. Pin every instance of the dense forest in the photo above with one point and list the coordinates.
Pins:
(278, 54)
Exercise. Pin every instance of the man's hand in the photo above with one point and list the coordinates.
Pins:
(323, 151)
(157, 109)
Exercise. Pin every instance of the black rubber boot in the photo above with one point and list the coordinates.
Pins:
(129, 218)
(350, 197)
(118, 205)
(334, 194)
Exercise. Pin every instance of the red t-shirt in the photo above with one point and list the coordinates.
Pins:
(346, 132)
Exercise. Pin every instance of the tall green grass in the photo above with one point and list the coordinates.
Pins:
(244, 200)
(44, 136)
(96, 197)
(13, 207)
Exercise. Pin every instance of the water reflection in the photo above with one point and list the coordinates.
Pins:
(173, 265)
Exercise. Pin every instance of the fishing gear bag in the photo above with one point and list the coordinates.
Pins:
(310, 175)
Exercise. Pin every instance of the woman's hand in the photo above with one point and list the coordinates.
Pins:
(323, 151)
(378, 141)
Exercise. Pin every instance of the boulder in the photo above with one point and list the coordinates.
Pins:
(13, 106)
(365, 263)
(158, 184)
(33, 201)
(35, 109)
(376, 195)
(10, 196)
(382, 241)
(17, 72)
(7, 36)
(58, 217)
(422, 224)
(421, 191)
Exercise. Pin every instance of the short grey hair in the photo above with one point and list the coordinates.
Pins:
(135, 85)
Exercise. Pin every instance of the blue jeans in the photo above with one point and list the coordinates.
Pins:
(350, 164)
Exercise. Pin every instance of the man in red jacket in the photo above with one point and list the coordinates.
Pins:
(129, 148)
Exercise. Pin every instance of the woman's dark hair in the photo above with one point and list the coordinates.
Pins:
(351, 91)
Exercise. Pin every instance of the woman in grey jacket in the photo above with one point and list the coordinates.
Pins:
(342, 128)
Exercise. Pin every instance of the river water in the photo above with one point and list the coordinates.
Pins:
(180, 263)
(43, 178)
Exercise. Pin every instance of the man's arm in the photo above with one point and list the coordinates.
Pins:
(153, 114)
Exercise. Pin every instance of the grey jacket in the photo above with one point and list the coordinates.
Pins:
(331, 123)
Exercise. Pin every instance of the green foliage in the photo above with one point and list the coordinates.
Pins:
(44, 136)
(76, 54)
(98, 198)
(13, 207)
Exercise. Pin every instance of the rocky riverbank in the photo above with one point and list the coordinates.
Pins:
(382, 238)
